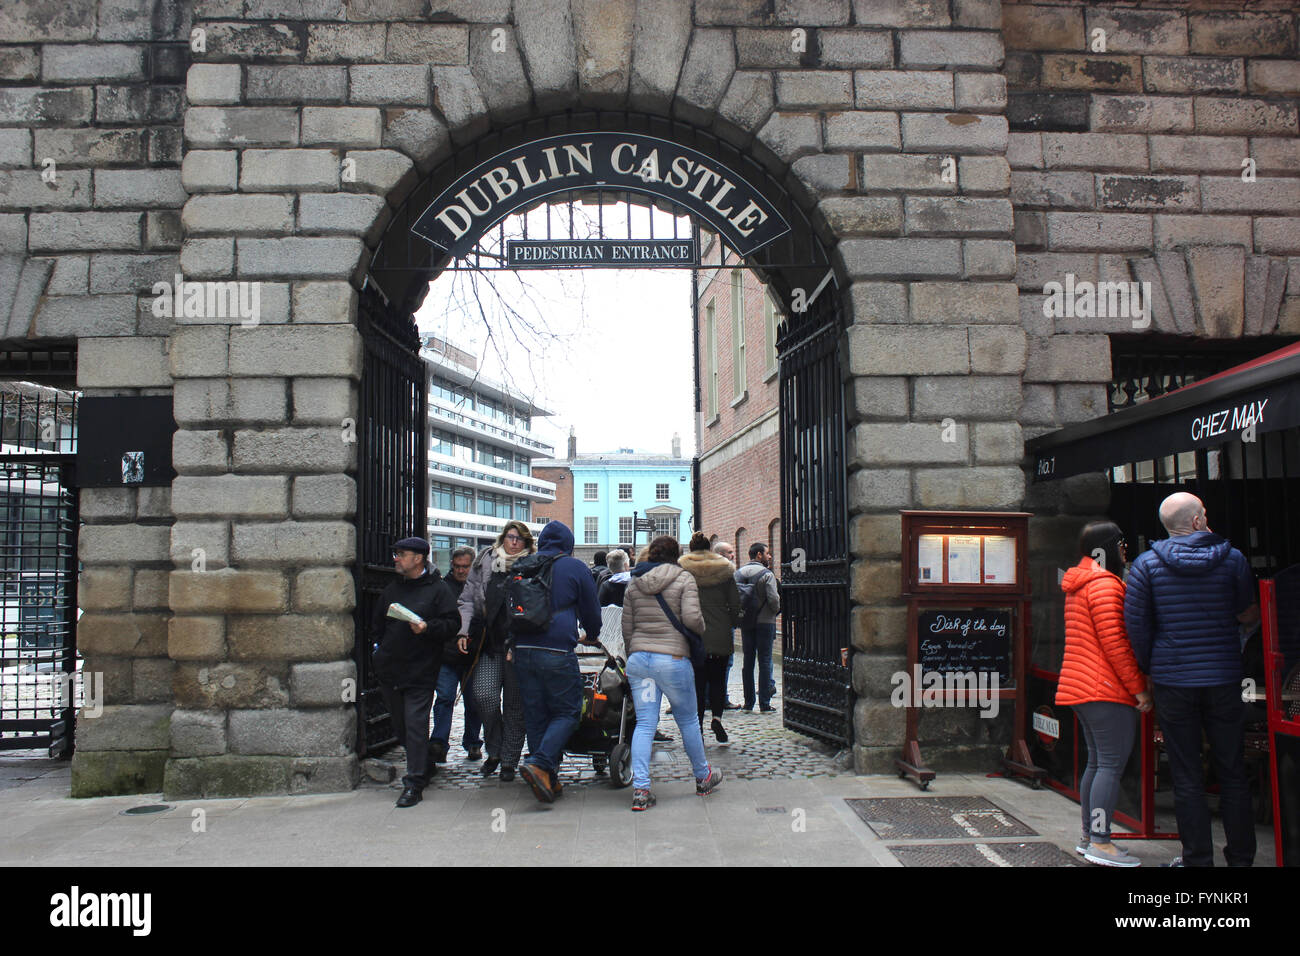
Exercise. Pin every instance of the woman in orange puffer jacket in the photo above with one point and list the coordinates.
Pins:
(1101, 681)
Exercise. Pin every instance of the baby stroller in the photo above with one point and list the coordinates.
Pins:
(605, 729)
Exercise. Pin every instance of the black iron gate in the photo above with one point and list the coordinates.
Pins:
(40, 684)
(392, 482)
(818, 690)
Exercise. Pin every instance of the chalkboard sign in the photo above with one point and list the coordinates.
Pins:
(965, 639)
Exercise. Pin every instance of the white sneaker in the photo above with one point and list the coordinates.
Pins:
(1108, 854)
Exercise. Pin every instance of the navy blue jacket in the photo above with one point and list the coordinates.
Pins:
(1181, 602)
(573, 594)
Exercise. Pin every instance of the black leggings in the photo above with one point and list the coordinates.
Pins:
(711, 679)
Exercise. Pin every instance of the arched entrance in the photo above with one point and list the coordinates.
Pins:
(644, 159)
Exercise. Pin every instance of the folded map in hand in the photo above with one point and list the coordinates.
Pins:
(402, 613)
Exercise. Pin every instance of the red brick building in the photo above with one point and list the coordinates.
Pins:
(737, 431)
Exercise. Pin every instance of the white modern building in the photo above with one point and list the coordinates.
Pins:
(481, 450)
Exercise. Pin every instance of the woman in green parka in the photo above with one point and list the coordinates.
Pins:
(720, 605)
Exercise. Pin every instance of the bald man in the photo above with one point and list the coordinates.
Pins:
(1183, 601)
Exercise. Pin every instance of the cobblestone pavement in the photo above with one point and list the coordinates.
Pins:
(760, 748)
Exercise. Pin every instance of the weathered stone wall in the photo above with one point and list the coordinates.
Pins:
(90, 197)
(1147, 145)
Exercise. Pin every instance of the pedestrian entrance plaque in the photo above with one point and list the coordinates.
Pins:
(589, 253)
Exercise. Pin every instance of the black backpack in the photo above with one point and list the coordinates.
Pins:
(753, 595)
(528, 592)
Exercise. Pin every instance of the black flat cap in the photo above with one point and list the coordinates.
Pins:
(418, 545)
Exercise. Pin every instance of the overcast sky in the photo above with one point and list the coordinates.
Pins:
(575, 337)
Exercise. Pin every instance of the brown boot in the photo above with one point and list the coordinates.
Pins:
(539, 780)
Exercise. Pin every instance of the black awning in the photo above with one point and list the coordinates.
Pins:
(1263, 394)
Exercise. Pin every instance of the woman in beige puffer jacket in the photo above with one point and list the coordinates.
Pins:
(659, 663)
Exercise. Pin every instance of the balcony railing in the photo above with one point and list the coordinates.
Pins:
(445, 410)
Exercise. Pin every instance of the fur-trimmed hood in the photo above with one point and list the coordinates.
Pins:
(708, 567)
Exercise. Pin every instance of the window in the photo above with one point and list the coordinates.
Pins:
(521, 509)
(625, 529)
(666, 524)
(769, 332)
(625, 491)
(590, 530)
(738, 332)
(661, 492)
(711, 375)
(589, 491)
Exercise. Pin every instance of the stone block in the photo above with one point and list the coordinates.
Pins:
(229, 127)
(975, 488)
(322, 685)
(20, 63)
(962, 303)
(791, 135)
(200, 453)
(324, 303)
(880, 489)
(825, 89)
(862, 131)
(260, 42)
(1156, 193)
(603, 34)
(1141, 114)
(988, 258)
(294, 542)
(887, 13)
(346, 43)
(318, 637)
(1027, 27)
(389, 85)
(961, 132)
(904, 443)
(132, 362)
(340, 213)
(884, 349)
(378, 170)
(315, 351)
(863, 216)
(138, 104)
(706, 73)
(151, 680)
(208, 258)
(912, 173)
(1069, 358)
(242, 214)
(341, 126)
(198, 733)
(901, 258)
(199, 402)
(880, 399)
(213, 84)
(122, 635)
(1245, 115)
(71, 148)
(24, 189)
(823, 174)
(16, 149)
(1075, 231)
(62, 232)
(1222, 154)
(107, 773)
(874, 302)
(942, 216)
(226, 776)
(848, 49)
(323, 774)
(440, 43)
(1277, 236)
(896, 90)
(1274, 77)
(1047, 111)
(998, 443)
(1266, 195)
(929, 49)
(33, 106)
(1218, 282)
(875, 581)
(224, 495)
(222, 685)
(264, 170)
(965, 398)
(879, 628)
(106, 315)
(91, 63)
(13, 233)
(104, 589)
(1239, 33)
(1140, 31)
(324, 496)
(107, 503)
(1183, 74)
(980, 92)
(748, 100)
(876, 536)
(228, 591)
(997, 350)
(297, 256)
(772, 49)
(1081, 71)
(210, 170)
(196, 638)
(659, 40)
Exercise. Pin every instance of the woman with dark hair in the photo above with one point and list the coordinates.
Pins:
(663, 602)
(1101, 681)
(720, 606)
(493, 685)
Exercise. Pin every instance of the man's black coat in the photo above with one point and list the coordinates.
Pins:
(405, 659)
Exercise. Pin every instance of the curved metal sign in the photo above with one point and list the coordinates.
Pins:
(518, 177)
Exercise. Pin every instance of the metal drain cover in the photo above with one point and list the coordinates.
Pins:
(983, 854)
(147, 808)
(937, 818)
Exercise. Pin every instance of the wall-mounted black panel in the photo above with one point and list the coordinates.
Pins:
(125, 442)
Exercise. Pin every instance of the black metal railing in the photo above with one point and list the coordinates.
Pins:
(392, 482)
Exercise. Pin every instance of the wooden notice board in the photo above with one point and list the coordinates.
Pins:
(966, 580)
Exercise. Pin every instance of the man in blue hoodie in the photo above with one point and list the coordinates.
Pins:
(547, 666)
(1184, 599)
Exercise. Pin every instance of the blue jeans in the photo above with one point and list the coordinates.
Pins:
(551, 686)
(653, 675)
(449, 678)
(1183, 712)
(758, 640)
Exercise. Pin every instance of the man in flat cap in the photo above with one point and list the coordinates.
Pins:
(407, 651)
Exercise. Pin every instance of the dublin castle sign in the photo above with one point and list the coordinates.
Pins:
(632, 162)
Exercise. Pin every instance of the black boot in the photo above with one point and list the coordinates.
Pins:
(490, 766)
